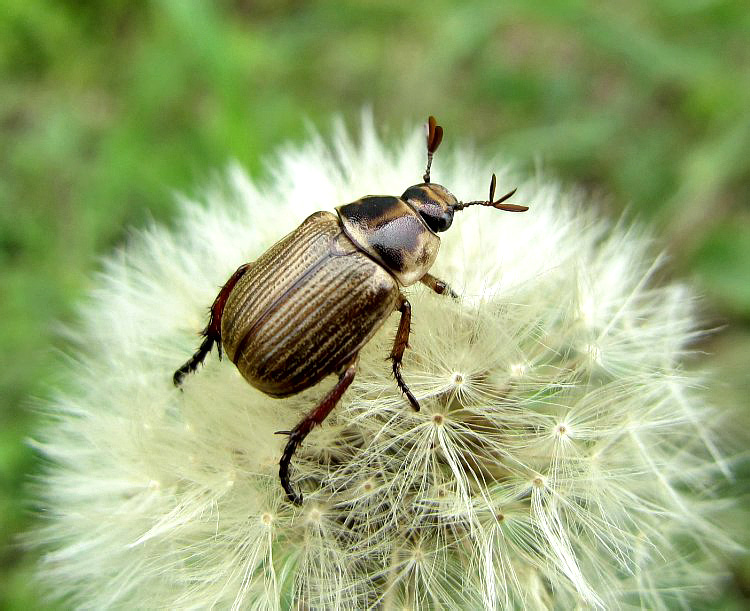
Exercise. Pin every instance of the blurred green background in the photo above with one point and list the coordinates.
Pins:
(108, 107)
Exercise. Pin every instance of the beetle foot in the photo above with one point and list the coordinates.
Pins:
(294, 440)
(177, 378)
(195, 360)
(412, 400)
(403, 387)
(292, 495)
(441, 287)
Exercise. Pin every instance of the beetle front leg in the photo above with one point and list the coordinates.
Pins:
(399, 345)
(314, 418)
(437, 285)
(212, 332)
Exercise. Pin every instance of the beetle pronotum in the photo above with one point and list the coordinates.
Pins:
(304, 308)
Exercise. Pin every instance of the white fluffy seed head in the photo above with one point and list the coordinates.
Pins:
(562, 456)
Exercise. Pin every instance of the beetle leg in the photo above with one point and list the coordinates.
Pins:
(299, 432)
(399, 345)
(212, 332)
(437, 285)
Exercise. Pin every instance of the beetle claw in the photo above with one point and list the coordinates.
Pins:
(177, 378)
(282, 432)
(294, 497)
(413, 400)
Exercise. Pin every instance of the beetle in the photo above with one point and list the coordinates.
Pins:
(305, 308)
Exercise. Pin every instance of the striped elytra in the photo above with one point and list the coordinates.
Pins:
(287, 331)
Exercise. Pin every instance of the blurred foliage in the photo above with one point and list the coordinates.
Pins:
(106, 107)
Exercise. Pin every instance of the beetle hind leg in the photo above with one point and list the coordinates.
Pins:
(399, 345)
(212, 332)
(299, 432)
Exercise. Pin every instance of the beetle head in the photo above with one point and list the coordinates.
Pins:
(434, 203)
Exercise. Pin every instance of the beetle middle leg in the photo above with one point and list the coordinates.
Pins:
(437, 285)
(399, 345)
(299, 432)
(212, 333)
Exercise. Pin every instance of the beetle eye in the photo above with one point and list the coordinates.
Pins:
(437, 222)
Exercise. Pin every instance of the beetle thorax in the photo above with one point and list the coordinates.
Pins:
(393, 233)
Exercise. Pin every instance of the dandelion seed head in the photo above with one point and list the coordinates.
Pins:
(314, 515)
(563, 456)
(266, 519)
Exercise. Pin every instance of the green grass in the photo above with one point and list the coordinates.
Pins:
(107, 108)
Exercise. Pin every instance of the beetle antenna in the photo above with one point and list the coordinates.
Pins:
(434, 138)
(494, 203)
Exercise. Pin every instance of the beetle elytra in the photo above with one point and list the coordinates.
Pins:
(304, 309)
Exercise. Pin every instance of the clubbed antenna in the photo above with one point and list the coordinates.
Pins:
(434, 138)
(493, 202)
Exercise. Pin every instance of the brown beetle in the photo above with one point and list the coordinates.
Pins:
(305, 308)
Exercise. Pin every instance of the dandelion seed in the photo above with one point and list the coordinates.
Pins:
(594, 353)
(563, 456)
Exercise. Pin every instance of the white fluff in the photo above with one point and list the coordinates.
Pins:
(562, 457)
